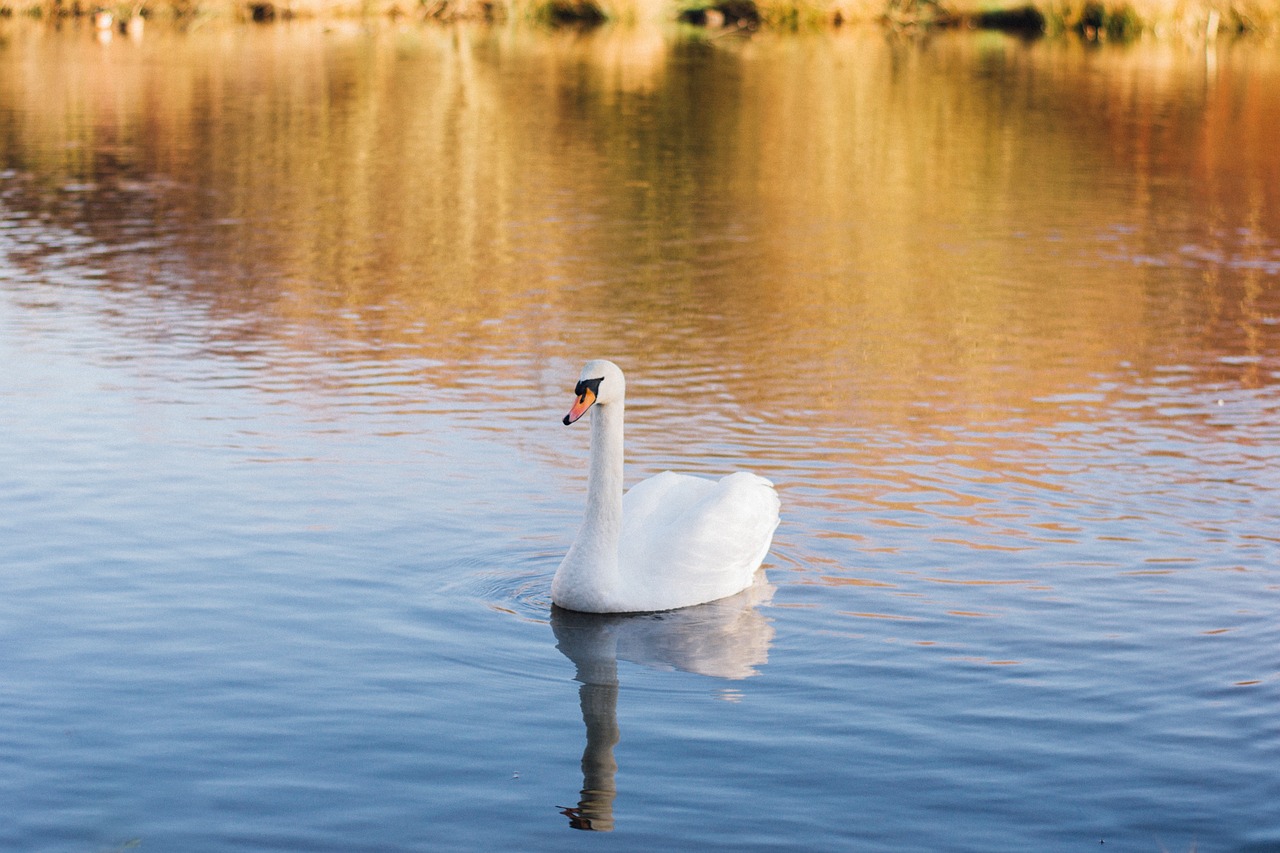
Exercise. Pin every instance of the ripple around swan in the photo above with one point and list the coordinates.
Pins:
(725, 639)
(525, 594)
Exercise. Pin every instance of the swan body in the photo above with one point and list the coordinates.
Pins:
(673, 540)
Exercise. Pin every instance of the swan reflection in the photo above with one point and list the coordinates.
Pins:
(723, 639)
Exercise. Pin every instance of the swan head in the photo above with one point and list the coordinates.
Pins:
(600, 383)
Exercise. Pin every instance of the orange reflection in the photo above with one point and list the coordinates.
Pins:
(888, 616)
(890, 233)
(849, 581)
(885, 243)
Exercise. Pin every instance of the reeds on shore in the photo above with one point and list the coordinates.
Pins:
(1091, 19)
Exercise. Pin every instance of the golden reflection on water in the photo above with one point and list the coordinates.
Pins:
(975, 241)
(971, 222)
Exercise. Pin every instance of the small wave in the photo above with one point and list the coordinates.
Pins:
(521, 592)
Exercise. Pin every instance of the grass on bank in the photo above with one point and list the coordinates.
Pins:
(1091, 19)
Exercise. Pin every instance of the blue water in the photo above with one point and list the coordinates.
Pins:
(279, 580)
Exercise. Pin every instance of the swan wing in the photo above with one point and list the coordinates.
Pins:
(687, 540)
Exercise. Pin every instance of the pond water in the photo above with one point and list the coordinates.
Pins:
(289, 317)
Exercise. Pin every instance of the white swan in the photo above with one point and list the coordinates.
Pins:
(673, 540)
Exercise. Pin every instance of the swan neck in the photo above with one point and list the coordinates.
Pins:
(588, 578)
(604, 477)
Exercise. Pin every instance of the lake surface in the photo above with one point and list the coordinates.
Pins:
(289, 317)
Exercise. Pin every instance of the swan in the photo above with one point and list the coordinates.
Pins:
(673, 540)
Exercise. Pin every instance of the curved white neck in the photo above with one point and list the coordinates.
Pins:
(588, 577)
(604, 477)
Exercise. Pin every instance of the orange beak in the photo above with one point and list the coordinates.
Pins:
(585, 400)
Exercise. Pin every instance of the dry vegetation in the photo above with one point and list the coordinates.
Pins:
(1091, 19)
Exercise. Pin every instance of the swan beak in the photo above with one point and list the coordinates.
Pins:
(584, 402)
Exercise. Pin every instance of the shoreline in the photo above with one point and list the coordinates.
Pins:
(1093, 20)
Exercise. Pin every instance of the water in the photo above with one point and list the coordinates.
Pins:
(288, 320)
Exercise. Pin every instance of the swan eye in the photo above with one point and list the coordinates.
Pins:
(585, 385)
